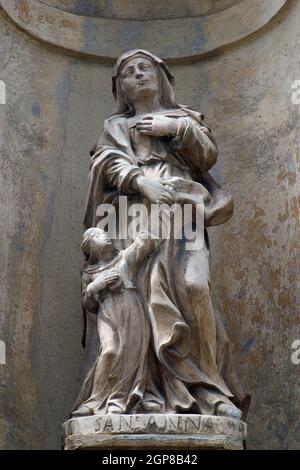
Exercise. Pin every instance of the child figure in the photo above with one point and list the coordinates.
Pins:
(117, 379)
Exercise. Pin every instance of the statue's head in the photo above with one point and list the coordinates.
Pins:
(138, 74)
(139, 79)
(95, 243)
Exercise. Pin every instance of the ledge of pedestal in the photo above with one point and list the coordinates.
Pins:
(154, 431)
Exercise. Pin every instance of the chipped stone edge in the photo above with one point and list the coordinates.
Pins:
(153, 441)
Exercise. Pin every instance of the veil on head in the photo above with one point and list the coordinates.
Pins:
(166, 79)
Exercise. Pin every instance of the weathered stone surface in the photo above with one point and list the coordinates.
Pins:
(146, 10)
(154, 431)
(104, 38)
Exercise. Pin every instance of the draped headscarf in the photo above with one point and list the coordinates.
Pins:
(166, 80)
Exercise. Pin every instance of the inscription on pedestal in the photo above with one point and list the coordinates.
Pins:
(157, 424)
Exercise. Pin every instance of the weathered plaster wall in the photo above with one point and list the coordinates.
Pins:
(255, 257)
(55, 107)
(56, 104)
(148, 9)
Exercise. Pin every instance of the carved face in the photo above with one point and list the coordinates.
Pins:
(139, 78)
(100, 241)
(95, 242)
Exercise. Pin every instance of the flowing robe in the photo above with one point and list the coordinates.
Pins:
(190, 364)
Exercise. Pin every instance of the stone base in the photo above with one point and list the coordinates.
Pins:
(154, 431)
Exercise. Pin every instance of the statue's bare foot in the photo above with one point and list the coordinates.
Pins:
(83, 411)
(229, 411)
(151, 407)
(114, 410)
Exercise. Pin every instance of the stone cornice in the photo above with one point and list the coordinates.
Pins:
(175, 40)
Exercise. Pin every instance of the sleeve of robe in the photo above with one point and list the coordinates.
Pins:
(195, 144)
(88, 304)
(119, 171)
(141, 248)
(120, 174)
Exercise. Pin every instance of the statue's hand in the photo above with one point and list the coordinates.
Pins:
(102, 281)
(157, 192)
(111, 277)
(92, 293)
(158, 126)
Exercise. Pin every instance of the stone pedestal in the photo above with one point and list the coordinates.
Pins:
(154, 431)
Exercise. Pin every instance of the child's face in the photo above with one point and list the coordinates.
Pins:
(101, 241)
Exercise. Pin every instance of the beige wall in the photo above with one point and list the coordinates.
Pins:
(56, 104)
(147, 9)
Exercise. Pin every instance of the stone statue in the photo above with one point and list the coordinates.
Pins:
(154, 342)
(116, 382)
